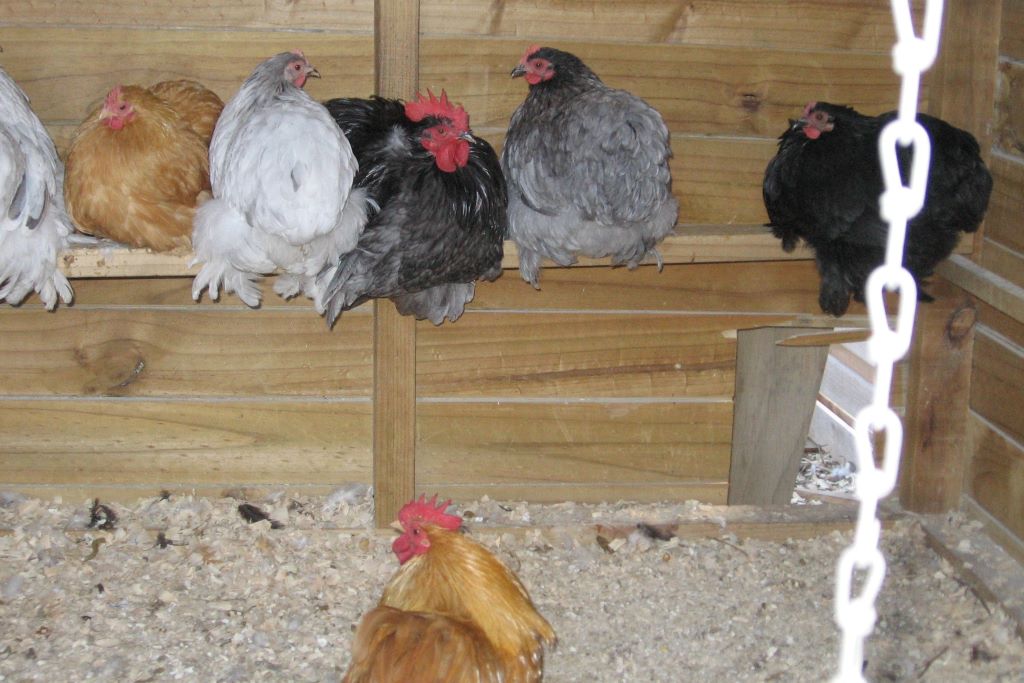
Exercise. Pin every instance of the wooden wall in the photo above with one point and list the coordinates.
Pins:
(606, 384)
(995, 473)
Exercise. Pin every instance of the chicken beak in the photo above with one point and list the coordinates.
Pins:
(520, 70)
(313, 72)
(397, 526)
(467, 137)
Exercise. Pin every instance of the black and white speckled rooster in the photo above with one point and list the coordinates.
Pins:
(824, 183)
(442, 209)
(587, 168)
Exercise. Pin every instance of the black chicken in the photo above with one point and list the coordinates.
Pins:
(824, 185)
(441, 214)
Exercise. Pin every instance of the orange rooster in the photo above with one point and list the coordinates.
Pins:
(137, 165)
(452, 613)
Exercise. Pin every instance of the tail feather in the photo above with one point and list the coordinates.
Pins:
(344, 284)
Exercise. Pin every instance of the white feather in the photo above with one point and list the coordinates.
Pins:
(282, 173)
(34, 227)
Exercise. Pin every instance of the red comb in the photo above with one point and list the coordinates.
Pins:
(430, 512)
(809, 108)
(422, 107)
(113, 97)
(529, 51)
(298, 53)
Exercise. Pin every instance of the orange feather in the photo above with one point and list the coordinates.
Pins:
(139, 182)
(454, 613)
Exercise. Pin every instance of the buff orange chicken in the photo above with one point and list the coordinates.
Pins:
(139, 164)
(453, 612)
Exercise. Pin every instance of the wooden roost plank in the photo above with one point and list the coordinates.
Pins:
(396, 37)
(690, 244)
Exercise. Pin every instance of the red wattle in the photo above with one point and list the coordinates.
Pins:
(812, 132)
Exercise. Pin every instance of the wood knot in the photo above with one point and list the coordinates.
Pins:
(751, 102)
(960, 323)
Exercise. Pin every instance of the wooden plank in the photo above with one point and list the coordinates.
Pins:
(963, 87)
(1011, 41)
(995, 529)
(995, 477)
(962, 80)
(699, 89)
(825, 338)
(998, 292)
(775, 394)
(828, 430)
(1000, 323)
(992, 573)
(152, 443)
(1008, 126)
(66, 71)
(190, 353)
(1004, 223)
(572, 443)
(522, 354)
(396, 49)
(349, 16)
(650, 492)
(935, 450)
(997, 382)
(691, 244)
(763, 23)
(1002, 262)
(776, 289)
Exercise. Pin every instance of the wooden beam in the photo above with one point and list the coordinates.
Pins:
(935, 443)
(963, 80)
(396, 46)
(996, 291)
(718, 243)
(776, 388)
(989, 570)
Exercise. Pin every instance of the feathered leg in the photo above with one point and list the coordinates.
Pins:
(223, 243)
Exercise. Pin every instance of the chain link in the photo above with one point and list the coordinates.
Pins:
(861, 565)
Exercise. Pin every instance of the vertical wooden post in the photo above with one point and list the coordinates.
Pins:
(962, 83)
(935, 447)
(776, 387)
(396, 46)
(935, 452)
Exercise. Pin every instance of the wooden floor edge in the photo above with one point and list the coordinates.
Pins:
(776, 523)
(993, 574)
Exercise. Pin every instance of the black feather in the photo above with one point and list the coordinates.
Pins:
(825, 191)
(102, 516)
(252, 514)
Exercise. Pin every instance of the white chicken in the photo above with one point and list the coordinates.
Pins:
(34, 227)
(281, 172)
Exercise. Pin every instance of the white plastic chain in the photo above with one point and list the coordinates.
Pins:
(855, 614)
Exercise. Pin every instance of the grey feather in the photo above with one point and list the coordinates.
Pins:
(587, 168)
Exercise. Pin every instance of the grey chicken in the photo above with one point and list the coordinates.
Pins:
(586, 167)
